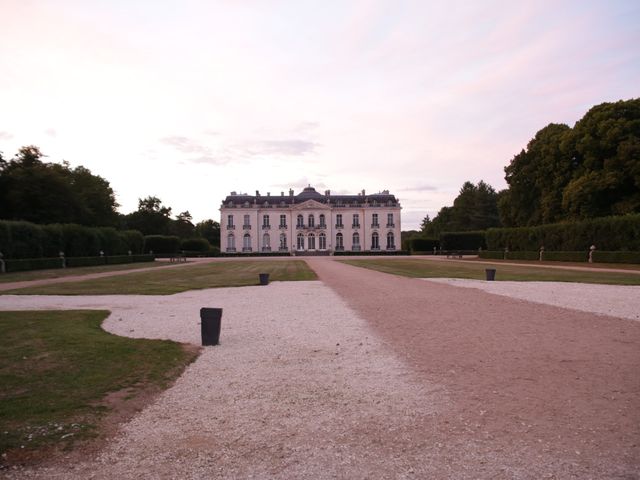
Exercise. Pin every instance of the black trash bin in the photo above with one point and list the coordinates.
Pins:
(210, 320)
(491, 274)
(264, 278)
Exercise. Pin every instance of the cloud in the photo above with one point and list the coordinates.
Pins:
(5, 136)
(419, 188)
(201, 153)
(292, 147)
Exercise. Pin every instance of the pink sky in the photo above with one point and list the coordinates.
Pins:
(188, 100)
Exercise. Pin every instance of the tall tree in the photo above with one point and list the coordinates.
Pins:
(209, 229)
(151, 218)
(182, 226)
(40, 192)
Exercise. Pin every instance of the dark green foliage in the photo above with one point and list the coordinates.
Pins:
(606, 233)
(590, 170)
(182, 225)
(598, 256)
(5, 239)
(80, 241)
(52, 240)
(616, 257)
(151, 218)
(425, 245)
(463, 240)
(32, 264)
(111, 242)
(85, 261)
(374, 253)
(195, 245)
(475, 208)
(134, 240)
(210, 230)
(161, 244)
(40, 192)
(25, 240)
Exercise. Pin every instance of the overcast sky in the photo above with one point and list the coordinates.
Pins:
(188, 100)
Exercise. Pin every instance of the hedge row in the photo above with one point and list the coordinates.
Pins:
(619, 233)
(463, 240)
(377, 252)
(21, 265)
(598, 256)
(29, 240)
(423, 244)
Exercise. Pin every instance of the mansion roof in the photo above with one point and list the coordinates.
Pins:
(383, 198)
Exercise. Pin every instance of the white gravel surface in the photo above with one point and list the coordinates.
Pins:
(298, 388)
(621, 301)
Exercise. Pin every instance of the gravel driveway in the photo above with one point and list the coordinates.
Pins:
(370, 375)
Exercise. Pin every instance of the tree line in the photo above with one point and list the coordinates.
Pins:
(41, 192)
(564, 174)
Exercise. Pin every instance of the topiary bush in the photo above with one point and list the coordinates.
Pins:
(198, 244)
(161, 244)
(134, 241)
(425, 245)
(25, 240)
(463, 240)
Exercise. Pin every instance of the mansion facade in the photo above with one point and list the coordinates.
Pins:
(309, 222)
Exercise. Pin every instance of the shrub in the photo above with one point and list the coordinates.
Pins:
(463, 240)
(25, 240)
(491, 254)
(425, 245)
(195, 245)
(607, 233)
(52, 240)
(85, 261)
(111, 242)
(5, 239)
(566, 256)
(616, 257)
(161, 244)
(22, 265)
(80, 241)
(134, 240)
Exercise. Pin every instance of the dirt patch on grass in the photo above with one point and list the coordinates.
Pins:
(85, 436)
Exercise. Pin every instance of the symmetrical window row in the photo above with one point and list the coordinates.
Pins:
(246, 225)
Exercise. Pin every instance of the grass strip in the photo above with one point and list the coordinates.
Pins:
(174, 280)
(421, 268)
(56, 367)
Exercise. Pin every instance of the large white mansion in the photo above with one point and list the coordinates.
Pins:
(309, 222)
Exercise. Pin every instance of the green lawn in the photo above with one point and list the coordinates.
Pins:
(57, 367)
(455, 269)
(180, 279)
(67, 272)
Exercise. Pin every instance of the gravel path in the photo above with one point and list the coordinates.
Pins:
(370, 375)
(615, 300)
(305, 391)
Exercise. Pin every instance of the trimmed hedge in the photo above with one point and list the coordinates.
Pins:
(161, 244)
(619, 233)
(463, 240)
(598, 256)
(423, 244)
(22, 265)
(25, 240)
(195, 245)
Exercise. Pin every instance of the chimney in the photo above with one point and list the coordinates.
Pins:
(268, 194)
(363, 192)
(327, 192)
(291, 192)
(257, 193)
(233, 193)
(282, 194)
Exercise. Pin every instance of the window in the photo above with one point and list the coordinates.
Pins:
(283, 241)
(266, 243)
(265, 221)
(312, 221)
(339, 244)
(390, 241)
(230, 221)
(231, 243)
(247, 223)
(339, 221)
(300, 221)
(356, 220)
(246, 243)
(322, 223)
(390, 220)
(355, 246)
(283, 221)
(311, 241)
(322, 241)
(375, 241)
(374, 220)
(300, 242)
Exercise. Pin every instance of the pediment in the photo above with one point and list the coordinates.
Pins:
(311, 205)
